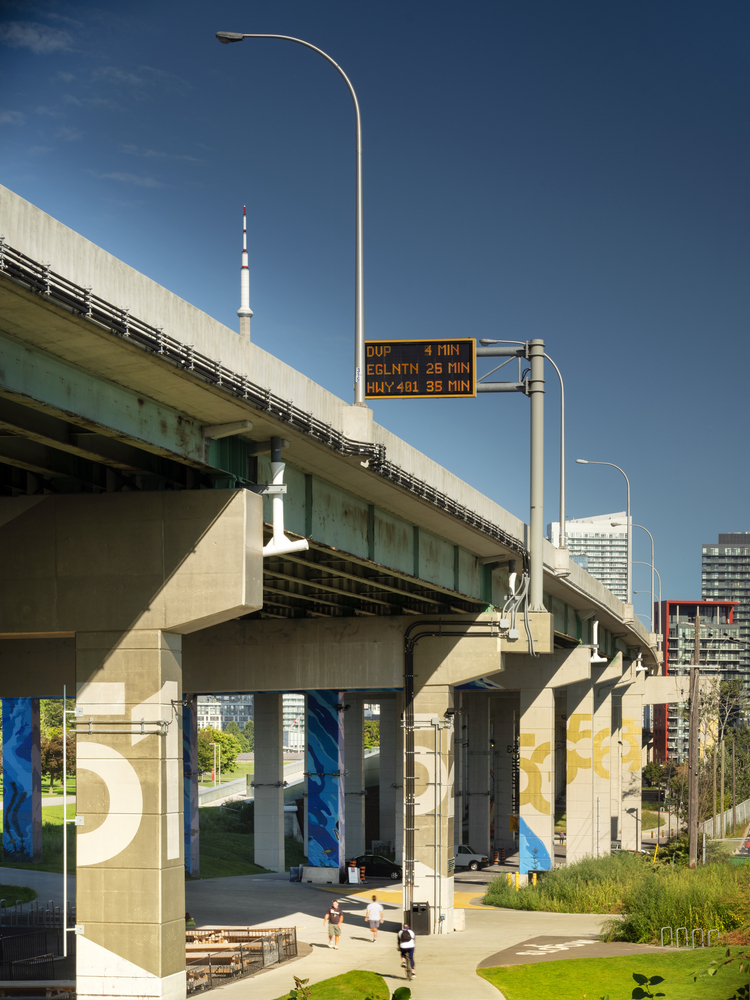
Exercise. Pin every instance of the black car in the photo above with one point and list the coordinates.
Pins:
(378, 867)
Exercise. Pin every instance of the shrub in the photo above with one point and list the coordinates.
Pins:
(650, 896)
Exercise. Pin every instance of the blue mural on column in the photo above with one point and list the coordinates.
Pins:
(533, 856)
(325, 781)
(22, 780)
(190, 785)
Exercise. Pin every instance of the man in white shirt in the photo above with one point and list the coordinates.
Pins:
(374, 917)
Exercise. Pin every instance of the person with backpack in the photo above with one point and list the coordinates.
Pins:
(406, 942)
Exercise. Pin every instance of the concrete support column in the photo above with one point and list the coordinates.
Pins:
(22, 781)
(536, 792)
(190, 784)
(581, 818)
(326, 845)
(434, 805)
(390, 759)
(130, 883)
(354, 759)
(268, 781)
(502, 717)
(479, 771)
(630, 765)
(602, 755)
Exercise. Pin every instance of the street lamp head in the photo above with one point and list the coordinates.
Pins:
(225, 37)
(582, 461)
(485, 341)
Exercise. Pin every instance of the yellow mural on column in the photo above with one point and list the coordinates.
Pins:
(600, 752)
(631, 734)
(576, 734)
(533, 795)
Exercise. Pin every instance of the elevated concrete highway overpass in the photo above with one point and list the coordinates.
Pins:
(136, 438)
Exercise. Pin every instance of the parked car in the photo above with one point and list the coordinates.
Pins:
(378, 867)
(467, 857)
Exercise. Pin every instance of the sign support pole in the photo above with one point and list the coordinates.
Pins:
(536, 518)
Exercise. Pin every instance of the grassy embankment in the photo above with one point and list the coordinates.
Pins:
(646, 895)
(574, 978)
(52, 843)
(227, 843)
(649, 818)
(351, 986)
(16, 894)
(241, 768)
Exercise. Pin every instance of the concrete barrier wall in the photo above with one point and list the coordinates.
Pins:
(224, 791)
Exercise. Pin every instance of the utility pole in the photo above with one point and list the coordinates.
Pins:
(722, 824)
(734, 799)
(693, 748)
(713, 821)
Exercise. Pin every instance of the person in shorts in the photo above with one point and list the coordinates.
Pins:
(333, 919)
(374, 917)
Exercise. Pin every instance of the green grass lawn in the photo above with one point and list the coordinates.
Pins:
(575, 978)
(57, 788)
(52, 834)
(241, 768)
(16, 894)
(350, 986)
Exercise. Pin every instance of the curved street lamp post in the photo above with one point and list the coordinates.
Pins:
(226, 37)
(629, 568)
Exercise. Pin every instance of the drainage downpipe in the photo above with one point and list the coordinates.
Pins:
(280, 545)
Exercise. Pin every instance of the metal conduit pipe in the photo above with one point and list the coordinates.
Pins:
(280, 544)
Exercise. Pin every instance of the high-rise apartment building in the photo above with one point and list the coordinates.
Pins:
(216, 710)
(599, 544)
(717, 656)
(726, 577)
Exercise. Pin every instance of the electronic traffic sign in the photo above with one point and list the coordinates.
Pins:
(420, 369)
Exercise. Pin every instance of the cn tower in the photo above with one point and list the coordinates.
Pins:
(244, 312)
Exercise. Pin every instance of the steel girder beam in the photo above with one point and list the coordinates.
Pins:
(43, 382)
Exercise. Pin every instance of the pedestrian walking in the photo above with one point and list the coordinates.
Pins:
(333, 919)
(374, 917)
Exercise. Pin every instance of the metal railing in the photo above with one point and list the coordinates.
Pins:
(34, 950)
(118, 321)
(33, 914)
(234, 953)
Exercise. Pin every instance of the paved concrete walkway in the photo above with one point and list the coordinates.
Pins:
(446, 966)
(47, 885)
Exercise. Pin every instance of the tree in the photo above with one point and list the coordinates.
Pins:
(372, 734)
(228, 748)
(51, 714)
(249, 734)
(51, 747)
(234, 730)
(652, 773)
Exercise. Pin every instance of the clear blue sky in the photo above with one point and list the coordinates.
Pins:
(573, 171)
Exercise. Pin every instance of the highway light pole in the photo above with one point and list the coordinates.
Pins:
(226, 37)
(657, 622)
(629, 570)
(533, 387)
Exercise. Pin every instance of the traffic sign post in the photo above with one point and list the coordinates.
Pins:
(420, 369)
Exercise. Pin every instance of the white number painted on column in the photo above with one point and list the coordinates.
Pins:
(125, 804)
